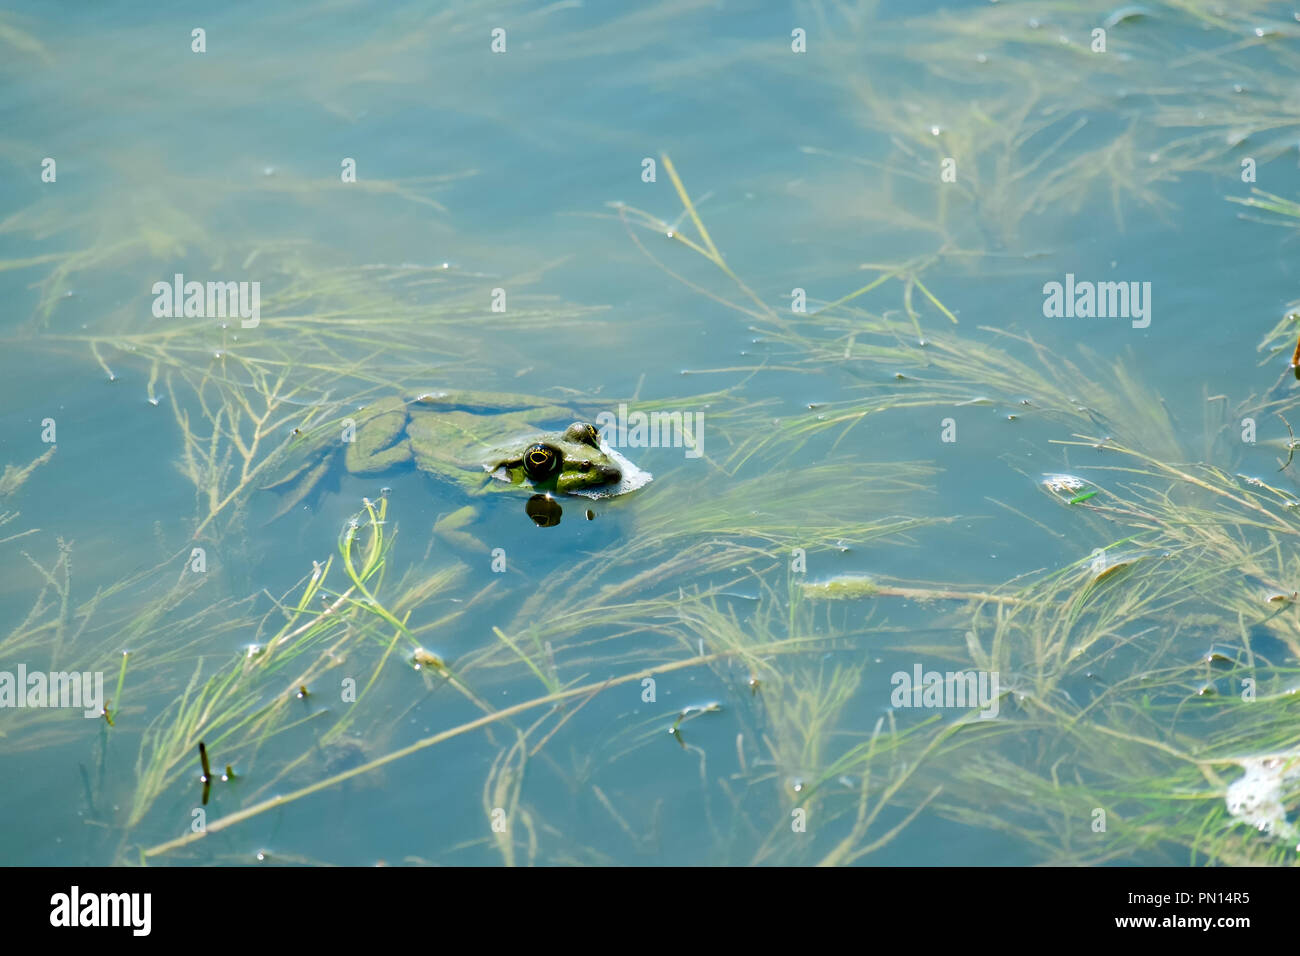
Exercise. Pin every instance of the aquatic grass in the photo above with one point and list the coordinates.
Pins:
(479, 722)
(1161, 786)
(1289, 209)
(1175, 704)
(1192, 551)
(131, 617)
(807, 702)
(639, 594)
(22, 42)
(116, 700)
(244, 704)
(236, 396)
(1038, 124)
(944, 367)
(1178, 543)
(800, 745)
(14, 476)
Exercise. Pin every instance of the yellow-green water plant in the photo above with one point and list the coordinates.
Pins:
(246, 703)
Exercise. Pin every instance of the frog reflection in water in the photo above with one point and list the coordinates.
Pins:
(461, 437)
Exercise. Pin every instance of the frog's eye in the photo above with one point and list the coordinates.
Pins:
(584, 433)
(542, 461)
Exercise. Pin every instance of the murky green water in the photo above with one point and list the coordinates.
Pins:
(824, 233)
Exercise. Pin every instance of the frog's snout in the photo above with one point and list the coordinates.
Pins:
(606, 473)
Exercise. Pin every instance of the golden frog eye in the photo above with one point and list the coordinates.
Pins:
(541, 461)
(583, 433)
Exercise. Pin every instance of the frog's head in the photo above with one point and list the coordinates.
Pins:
(569, 462)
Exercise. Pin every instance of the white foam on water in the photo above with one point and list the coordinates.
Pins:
(1257, 797)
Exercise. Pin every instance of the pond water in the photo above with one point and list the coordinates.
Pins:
(850, 620)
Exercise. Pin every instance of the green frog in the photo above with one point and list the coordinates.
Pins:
(478, 440)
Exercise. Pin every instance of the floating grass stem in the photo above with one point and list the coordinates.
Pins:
(116, 701)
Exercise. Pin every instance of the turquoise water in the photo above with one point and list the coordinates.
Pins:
(522, 170)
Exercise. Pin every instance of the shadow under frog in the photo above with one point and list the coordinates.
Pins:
(482, 442)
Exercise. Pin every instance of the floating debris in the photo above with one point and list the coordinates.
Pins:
(207, 772)
(851, 586)
(1064, 487)
(1068, 489)
(693, 710)
(1258, 797)
(1124, 15)
(1216, 656)
(1113, 569)
(422, 658)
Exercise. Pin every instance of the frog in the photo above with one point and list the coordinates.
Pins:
(479, 441)
(447, 441)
